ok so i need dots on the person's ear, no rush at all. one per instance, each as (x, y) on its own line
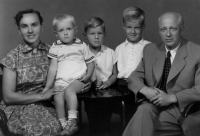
(42, 28)
(76, 29)
(124, 28)
(182, 27)
(84, 34)
(55, 33)
(143, 27)
(19, 31)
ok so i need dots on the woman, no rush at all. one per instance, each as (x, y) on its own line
(24, 74)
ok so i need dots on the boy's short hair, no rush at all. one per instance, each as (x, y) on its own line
(62, 17)
(134, 13)
(94, 22)
(20, 14)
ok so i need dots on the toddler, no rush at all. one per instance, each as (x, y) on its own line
(71, 66)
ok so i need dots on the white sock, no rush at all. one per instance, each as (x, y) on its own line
(72, 114)
(63, 122)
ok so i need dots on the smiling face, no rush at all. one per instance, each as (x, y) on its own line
(65, 31)
(30, 28)
(170, 29)
(133, 30)
(95, 36)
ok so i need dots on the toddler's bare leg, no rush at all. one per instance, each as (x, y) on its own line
(60, 105)
(70, 94)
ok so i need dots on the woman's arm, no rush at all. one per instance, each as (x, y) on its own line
(112, 78)
(10, 96)
(51, 75)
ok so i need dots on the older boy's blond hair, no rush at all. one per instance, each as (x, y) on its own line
(61, 17)
(134, 13)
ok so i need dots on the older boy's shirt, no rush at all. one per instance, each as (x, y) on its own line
(104, 61)
(128, 57)
(71, 59)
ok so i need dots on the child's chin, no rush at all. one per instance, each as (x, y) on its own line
(96, 46)
(134, 40)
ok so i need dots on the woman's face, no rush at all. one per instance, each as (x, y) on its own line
(30, 28)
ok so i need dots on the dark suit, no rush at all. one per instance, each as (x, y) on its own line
(183, 81)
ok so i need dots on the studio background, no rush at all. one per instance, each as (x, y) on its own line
(109, 10)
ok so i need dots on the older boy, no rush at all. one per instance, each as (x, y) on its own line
(129, 53)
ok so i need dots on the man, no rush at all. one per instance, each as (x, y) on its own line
(162, 96)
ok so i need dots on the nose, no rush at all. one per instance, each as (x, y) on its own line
(96, 36)
(133, 30)
(65, 32)
(30, 29)
(168, 33)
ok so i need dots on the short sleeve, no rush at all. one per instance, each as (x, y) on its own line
(53, 52)
(88, 56)
(113, 56)
(10, 61)
(117, 53)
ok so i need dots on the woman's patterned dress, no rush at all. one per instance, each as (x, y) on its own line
(37, 119)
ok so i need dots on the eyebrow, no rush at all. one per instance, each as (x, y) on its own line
(31, 23)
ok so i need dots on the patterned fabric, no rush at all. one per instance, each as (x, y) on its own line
(38, 119)
(166, 70)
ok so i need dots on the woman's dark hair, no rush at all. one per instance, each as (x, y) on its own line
(20, 14)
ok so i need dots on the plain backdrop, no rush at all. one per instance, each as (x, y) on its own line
(109, 10)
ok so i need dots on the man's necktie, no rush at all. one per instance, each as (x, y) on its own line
(165, 72)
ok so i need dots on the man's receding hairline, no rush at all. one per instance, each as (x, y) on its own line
(175, 14)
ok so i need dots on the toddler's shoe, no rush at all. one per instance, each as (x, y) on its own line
(71, 128)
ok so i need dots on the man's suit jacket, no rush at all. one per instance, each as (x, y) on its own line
(183, 79)
(184, 75)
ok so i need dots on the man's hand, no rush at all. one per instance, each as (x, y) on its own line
(163, 99)
(149, 92)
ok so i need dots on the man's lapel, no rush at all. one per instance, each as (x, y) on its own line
(179, 60)
(159, 63)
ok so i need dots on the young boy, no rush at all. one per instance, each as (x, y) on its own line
(105, 74)
(129, 53)
(71, 65)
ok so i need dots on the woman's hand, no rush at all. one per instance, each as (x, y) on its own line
(47, 95)
(44, 91)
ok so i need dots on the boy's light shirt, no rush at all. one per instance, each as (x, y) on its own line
(104, 61)
(71, 59)
(129, 56)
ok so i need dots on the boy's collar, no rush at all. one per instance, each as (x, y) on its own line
(76, 40)
(140, 42)
(103, 48)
